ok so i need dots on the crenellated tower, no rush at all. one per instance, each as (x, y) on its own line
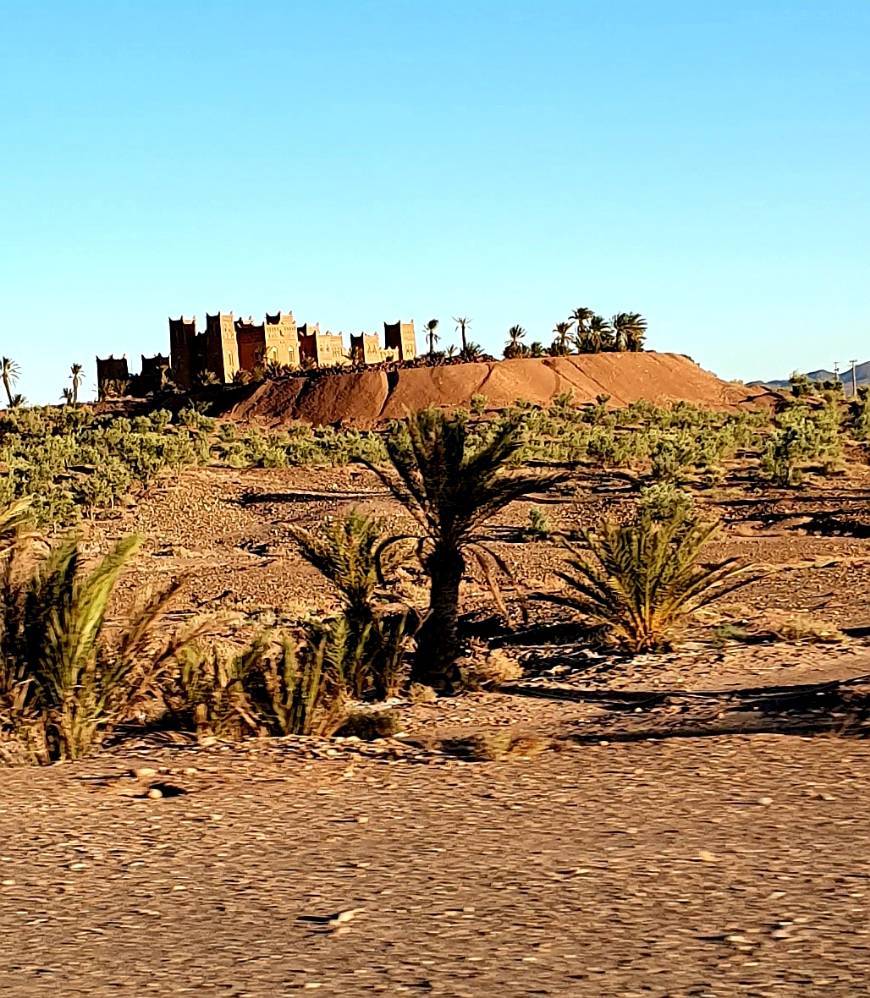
(221, 346)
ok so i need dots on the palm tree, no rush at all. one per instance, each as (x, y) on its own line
(580, 318)
(515, 347)
(462, 324)
(431, 326)
(76, 377)
(9, 374)
(536, 349)
(600, 334)
(560, 343)
(66, 396)
(630, 331)
(452, 490)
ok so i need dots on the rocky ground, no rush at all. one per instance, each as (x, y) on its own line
(554, 838)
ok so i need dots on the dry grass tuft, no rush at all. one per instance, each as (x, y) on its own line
(484, 668)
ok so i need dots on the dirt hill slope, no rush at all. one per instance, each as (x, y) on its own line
(364, 398)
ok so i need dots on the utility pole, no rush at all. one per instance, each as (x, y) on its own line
(854, 379)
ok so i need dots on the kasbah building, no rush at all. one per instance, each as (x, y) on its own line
(229, 346)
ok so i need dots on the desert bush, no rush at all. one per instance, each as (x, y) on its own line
(539, 526)
(860, 414)
(642, 580)
(484, 668)
(369, 725)
(664, 502)
(803, 435)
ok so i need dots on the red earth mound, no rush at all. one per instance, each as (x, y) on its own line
(365, 398)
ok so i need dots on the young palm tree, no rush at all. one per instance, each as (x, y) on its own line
(351, 554)
(54, 644)
(9, 374)
(345, 550)
(537, 349)
(472, 351)
(431, 326)
(76, 377)
(515, 346)
(462, 324)
(452, 490)
(560, 342)
(66, 396)
(646, 578)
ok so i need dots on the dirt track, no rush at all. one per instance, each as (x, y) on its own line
(704, 867)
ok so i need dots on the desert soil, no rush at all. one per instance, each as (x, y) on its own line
(722, 865)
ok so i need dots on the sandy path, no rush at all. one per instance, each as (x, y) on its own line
(704, 867)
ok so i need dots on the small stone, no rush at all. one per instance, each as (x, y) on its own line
(154, 794)
(362, 820)
(78, 866)
(707, 857)
(7, 883)
(765, 801)
(142, 771)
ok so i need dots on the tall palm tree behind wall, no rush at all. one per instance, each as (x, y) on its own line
(462, 324)
(560, 341)
(9, 374)
(580, 318)
(76, 376)
(431, 326)
(629, 331)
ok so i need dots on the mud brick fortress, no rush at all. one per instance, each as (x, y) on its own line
(227, 347)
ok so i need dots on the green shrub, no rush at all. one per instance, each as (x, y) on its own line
(664, 502)
(539, 526)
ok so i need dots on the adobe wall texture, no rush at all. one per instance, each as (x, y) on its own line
(228, 346)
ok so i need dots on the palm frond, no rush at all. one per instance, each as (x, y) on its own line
(644, 579)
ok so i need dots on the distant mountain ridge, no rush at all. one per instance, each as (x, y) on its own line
(862, 374)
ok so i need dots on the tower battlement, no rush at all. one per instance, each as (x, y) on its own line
(229, 347)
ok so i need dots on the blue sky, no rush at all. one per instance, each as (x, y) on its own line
(705, 164)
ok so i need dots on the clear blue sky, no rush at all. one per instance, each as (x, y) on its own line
(704, 163)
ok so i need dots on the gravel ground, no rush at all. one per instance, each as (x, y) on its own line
(717, 866)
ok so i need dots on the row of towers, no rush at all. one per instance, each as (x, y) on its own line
(229, 345)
